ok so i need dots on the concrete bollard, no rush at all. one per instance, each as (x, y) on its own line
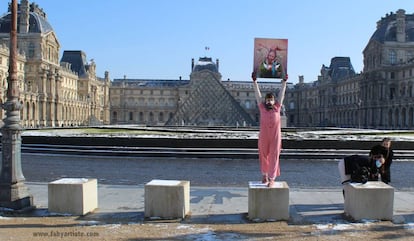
(266, 203)
(167, 199)
(372, 200)
(77, 196)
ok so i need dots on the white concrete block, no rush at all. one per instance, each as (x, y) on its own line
(372, 200)
(268, 203)
(77, 196)
(167, 199)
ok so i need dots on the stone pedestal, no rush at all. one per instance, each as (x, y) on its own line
(268, 203)
(77, 196)
(167, 199)
(372, 200)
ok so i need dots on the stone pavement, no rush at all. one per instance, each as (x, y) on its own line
(226, 205)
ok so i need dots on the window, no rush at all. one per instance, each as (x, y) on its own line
(31, 52)
(392, 93)
(247, 103)
(409, 56)
(292, 105)
(392, 57)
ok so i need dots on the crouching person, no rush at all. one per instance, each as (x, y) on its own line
(355, 168)
(359, 168)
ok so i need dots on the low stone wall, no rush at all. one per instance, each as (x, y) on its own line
(205, 143)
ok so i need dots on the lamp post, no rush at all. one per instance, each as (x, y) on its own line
(13, 193)
(359, 113)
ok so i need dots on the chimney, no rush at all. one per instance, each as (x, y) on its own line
(401, 36)
(192, 64)
(24, 16)
(301, 79)
(217, 64)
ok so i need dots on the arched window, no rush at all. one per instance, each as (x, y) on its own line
(28, 111)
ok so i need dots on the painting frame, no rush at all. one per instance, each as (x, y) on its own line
(270, 57)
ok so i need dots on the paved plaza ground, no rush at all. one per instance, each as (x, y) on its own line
(70, 228)
(218, 200)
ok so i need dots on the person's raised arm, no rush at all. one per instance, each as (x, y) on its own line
(281, 95)
(256, 88)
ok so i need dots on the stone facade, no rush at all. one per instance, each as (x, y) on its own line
(144, 102)
(52, 92)
(203, 100)
(4, 68)
(381, 96)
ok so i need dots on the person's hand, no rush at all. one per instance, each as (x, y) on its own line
(254, 76)
(286, 78)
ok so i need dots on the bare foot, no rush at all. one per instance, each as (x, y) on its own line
(271, 183)
(265, 180)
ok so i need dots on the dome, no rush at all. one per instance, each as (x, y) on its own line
(37, 22)
(205, 63)
(388, 25)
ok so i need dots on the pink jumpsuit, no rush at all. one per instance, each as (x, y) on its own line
(270, 140)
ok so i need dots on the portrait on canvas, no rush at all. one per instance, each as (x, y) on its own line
(270, 58)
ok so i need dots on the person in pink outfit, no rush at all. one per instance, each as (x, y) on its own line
(270, 135)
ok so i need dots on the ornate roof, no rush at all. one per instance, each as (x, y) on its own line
(388, 25)
(77, 59)
(205, 63)
(37, 22)
(340, 68)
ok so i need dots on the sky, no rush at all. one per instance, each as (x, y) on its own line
(156, 39)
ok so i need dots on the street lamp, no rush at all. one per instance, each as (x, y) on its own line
(13, 193)
(359, 113)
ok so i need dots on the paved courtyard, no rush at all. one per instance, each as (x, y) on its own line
(218, 201)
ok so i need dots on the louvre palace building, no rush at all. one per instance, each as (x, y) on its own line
(60, 91)
(380, 97)
(54, 91)
(202, 100)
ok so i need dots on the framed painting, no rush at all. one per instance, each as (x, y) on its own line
(270, 58)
